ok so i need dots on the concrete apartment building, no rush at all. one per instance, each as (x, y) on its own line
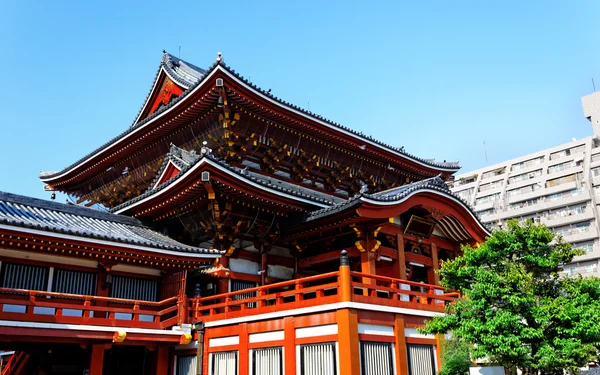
(558, 187)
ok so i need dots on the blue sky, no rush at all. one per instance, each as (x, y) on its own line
(438, 77)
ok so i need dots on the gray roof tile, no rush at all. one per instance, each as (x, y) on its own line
(21, 211)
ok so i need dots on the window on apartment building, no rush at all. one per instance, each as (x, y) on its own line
(567, 152)
(421, 359)
(566, 211)
(527, 163)
(376, 358)
(587, 246)
(524, 176)
(523, 204)
(224, 363)
(572, 229)
(561, 167)
(24, 276)
(186, 365)
(523, 190)
(487, 198)
(489, 211)
(534, 218)
(318, 359)
(495, 172)
(490, 186)
(267, 361)
(591, 268)
(596, 172)
(563, 180)
(465, 180)
(563, 194)
(465, 194)
(595, 157)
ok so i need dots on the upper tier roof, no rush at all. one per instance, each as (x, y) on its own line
(26, 212)
(191, 78)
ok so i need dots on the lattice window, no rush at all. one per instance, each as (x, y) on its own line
(224, 363)
(24, 276)
(421, 359)
(318, 359)
(267, 361)
(376, 358)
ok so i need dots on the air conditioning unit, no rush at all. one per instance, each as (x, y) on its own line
(219, 82)
(205, 177)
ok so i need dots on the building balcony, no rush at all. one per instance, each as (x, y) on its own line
(556, 221)
(309, 293)
(575, 236)
(48, 307)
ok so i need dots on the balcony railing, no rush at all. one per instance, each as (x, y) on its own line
(50, 307)
(324, 289)
(321, 290)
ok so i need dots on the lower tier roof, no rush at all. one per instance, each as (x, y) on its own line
(26, 212)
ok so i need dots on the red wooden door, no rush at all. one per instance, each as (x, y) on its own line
(173, 285)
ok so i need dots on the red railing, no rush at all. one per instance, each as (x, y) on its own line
(15, 363)
(49, 307)
(294, 294)
(388, 291)
(327, 288)
(321, 290)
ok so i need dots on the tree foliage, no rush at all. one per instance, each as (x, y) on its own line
(456, 358)
(515, 309)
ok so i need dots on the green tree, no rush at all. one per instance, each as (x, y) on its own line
(515, 309)
(456, 357)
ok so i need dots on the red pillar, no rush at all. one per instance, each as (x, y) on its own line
(223, 283)
(289, 345)
(97, 359)
(162, 360)
(347, 320)
(264, 266)
(436, 264)
(401, 258)
(400, 347)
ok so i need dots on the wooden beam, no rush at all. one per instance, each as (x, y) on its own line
(436, 264)
(401, 257)
(326, 257)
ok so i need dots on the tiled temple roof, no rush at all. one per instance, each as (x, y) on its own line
(191, 76)
(269, 182)
(390, 195)
(179, 157)
(26, 212)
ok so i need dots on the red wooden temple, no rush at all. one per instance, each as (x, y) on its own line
(225, 232)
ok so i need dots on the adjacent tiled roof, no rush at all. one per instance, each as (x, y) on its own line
(178, 156)
(26, 212)
(270, 182)
(186, 73)
(394, 194)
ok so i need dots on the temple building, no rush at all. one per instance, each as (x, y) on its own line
(225, 232)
